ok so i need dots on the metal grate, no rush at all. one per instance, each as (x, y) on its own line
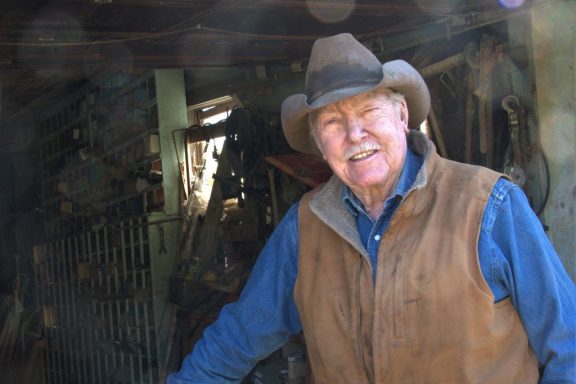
(96, 290)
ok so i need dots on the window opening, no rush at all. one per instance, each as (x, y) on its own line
(202, 156)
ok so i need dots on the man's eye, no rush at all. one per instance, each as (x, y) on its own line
(329, 122)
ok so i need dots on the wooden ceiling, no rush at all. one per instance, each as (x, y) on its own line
(47, 46)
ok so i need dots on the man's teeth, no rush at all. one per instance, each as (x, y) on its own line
(362, 151)
(362, 155)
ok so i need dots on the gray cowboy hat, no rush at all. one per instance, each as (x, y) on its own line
(341, 67)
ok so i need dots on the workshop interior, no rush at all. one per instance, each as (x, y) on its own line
(144, 166)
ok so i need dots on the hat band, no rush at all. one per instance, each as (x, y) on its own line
(341, 85)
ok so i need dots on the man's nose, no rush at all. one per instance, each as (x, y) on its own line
(355, 129)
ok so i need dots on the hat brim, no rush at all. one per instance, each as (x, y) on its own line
(397, 75)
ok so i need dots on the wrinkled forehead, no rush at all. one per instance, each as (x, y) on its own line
(381, 95)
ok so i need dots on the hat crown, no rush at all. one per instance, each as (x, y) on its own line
(338, 62)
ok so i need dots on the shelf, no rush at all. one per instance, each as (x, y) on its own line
(59, 196)
(309, 169)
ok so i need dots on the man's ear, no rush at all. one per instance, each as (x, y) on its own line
(404, 115)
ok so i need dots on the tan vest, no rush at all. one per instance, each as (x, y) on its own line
(431, 317)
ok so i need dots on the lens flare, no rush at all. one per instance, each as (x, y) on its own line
(511, 3)
(44, 43)
(116, 57)
(330, 11)
(17, 132)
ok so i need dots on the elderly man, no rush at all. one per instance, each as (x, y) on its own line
(404, 267)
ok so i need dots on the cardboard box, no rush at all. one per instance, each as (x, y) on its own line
(66, 207)
(151, 145)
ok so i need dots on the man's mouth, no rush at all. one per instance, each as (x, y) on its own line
(361, 155)
(361, 151)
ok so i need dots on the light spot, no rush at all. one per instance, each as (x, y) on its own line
(330, 11)
(44, 43)
(511, 3)
(115, 57)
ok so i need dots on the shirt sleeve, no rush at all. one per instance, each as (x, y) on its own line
(261, 321)
(526, 266)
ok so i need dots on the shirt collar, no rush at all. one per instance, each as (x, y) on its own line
(410, 169)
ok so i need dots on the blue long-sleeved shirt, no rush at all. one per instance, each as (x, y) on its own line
(516, 258)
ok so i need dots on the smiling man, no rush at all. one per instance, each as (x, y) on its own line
(363, 139)
(404, 267)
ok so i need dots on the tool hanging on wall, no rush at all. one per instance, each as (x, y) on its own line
(487, 62)
(515, 166)
(472, 57)
(525, 160)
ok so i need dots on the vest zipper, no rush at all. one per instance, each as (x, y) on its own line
(359, 332)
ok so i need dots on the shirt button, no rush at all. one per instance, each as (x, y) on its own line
(377, 237)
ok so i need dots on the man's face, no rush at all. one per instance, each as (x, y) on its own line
(363, 139)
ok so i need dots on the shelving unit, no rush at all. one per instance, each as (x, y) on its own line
(111, 192)
(92, 148)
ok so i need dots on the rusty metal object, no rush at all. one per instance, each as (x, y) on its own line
(484, 94)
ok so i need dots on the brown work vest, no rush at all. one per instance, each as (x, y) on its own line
(430, 316)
